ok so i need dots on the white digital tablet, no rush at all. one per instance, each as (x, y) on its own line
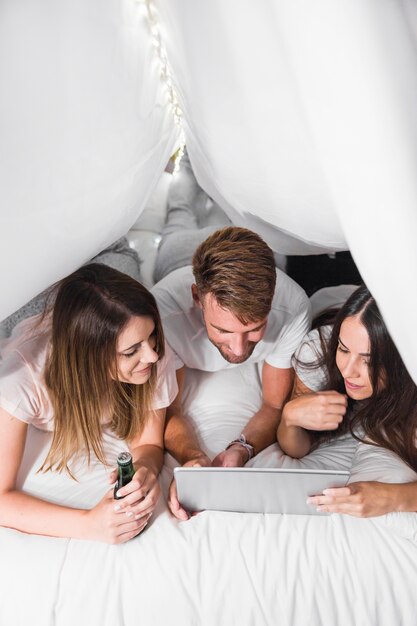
(253, 490)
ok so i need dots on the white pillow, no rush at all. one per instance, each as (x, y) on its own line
(221, 403)
(374, 463)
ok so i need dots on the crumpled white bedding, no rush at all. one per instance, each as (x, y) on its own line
(217, 568)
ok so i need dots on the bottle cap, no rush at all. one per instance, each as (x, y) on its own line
(124, 458)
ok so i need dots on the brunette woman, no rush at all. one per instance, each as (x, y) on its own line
(351, 378)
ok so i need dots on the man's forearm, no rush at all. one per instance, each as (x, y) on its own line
(181, 440)
(261, 429)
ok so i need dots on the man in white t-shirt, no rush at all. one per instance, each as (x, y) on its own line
(231, 307)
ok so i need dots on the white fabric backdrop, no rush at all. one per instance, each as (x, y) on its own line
(303, 115)
(300, 120)
(85, 134)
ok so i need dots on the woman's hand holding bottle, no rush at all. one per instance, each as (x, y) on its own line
(124, 511)
(111, 523)
(139, 497)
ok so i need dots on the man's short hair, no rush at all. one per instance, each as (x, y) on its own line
(237, 267)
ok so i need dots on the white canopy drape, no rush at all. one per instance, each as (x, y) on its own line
(85, 132)
(300, 120)
(303, 115)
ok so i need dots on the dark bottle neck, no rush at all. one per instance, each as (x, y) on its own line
(124, 476)
(126, 473)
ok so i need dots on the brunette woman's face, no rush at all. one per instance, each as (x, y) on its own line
(352, 358)
(136, 350)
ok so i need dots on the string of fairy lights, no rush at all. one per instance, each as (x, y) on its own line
(166, 78)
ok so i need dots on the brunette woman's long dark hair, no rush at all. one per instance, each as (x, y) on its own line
(388, 418)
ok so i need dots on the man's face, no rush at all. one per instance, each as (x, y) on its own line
(234, 340)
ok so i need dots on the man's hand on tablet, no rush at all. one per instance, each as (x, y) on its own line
(235, 456)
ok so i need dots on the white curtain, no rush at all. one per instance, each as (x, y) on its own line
(303, 115)
(300, 120)
(85, 132)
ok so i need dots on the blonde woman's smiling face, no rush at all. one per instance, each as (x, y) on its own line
(135, 349)
(352, 358)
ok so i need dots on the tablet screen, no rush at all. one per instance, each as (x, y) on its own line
(253, 490)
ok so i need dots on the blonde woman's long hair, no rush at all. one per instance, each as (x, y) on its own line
(91, 308)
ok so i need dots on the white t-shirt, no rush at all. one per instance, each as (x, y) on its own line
(184, 328)
(308, 353)
(23, 392)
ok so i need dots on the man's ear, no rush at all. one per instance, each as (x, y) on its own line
(195, 295)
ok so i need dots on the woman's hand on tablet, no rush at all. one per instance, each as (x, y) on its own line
(173, 503)
(323, 410)
(361, 499)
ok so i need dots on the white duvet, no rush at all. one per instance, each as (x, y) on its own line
(217, 568)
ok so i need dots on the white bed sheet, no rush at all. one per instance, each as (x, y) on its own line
(217, 568)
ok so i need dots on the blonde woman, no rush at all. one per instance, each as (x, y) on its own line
(97, 361)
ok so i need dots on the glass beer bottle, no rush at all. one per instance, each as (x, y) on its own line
(125, 472)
